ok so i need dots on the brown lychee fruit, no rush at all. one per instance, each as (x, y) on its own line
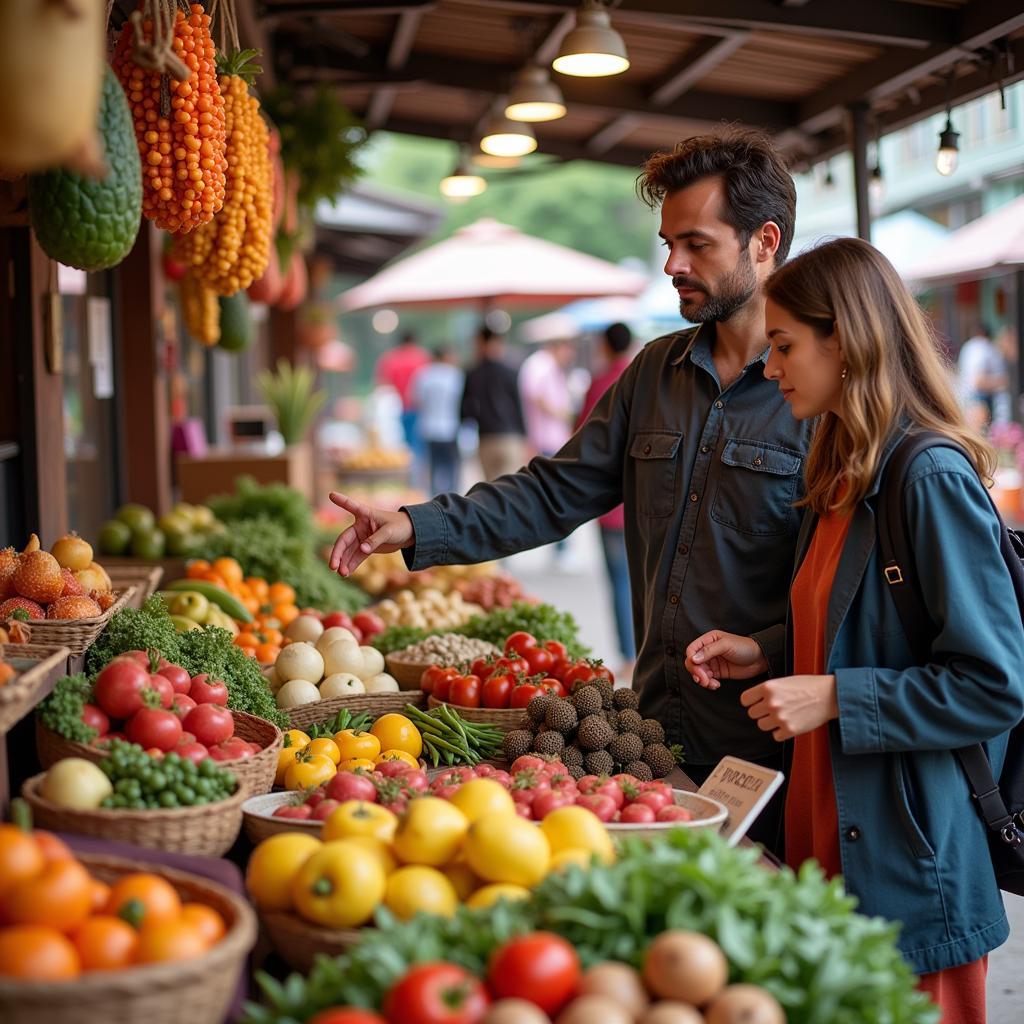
(14, 604)
(38, 577)
(73, 608)
(72, 588)
(8, 566)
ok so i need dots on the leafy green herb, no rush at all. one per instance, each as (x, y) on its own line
(62, 710)
(130, 630)
(283, 505)
(795, 934)
(542, 620)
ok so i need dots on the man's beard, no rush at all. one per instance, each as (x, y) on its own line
(733, 292)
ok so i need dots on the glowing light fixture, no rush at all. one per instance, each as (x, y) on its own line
(593, 49)
(535, 97)
(505, 137)
(481, 159)
(948, 155)
(462, 183)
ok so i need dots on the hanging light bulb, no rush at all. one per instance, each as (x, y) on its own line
(462, 183)
(535, 97)
(830, 180)
(948, 155)
(593, 48)
(876, 183)
(505, 137)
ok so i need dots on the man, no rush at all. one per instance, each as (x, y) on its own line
(436, 396)
(491, 400)
(615, 355)
(983, 376)
(692, 438)
(397, 369)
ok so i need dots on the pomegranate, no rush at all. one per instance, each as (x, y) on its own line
(14, 604)
(38, 577)
(72, 552)
(75, 607)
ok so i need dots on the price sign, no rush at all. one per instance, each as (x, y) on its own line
(744, 788)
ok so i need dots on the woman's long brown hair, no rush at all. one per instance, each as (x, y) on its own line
(848, 288)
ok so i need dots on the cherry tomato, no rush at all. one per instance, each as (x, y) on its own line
(465, 691)
(522, 694)
(497, 690)
(513, 664)
(581, 672)
(520, 642)
(436, 993)
(483, 667)
(542, 968)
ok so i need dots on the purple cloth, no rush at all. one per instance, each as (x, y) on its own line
(216, 870)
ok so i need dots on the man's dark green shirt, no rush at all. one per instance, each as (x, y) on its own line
(708, 478)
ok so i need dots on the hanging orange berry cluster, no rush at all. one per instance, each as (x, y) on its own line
(179, 122)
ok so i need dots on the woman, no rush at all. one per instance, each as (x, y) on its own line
(875, 793)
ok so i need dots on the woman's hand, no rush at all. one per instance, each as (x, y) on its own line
(374, 529)
(716, 656)
(792, 706)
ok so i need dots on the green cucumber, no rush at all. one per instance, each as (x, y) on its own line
(217, 595)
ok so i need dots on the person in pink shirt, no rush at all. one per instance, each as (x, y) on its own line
(616, 355)
(397, 368)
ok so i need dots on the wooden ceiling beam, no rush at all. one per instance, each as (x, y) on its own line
(979, 24)
(883, 22)
(398, 53)
(274, 9)
(547, 51)
(696, 64)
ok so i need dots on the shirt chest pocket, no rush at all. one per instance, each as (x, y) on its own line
(757, 485)
(654, 457)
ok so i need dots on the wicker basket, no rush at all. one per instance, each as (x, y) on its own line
(77, 635)
(208, 830)
(255, 774)
(376, 703)
(407, 673)
(505, 719)
(198, 991)
(144, 578)
(38, 669)
(297, 942)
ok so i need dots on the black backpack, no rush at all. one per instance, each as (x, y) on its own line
(1001, 805)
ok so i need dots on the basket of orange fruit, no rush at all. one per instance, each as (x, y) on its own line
(103, 940)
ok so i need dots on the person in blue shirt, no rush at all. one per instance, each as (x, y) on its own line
(436, 393)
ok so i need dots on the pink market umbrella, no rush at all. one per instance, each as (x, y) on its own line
(492, 263)
(994, 243)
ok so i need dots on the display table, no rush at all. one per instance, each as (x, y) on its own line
(215, 472)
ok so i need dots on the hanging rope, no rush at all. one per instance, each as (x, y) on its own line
(157, 54)
(224, 14)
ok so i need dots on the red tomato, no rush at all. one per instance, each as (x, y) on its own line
(497, 690)
(210, 723)
(368, 623)
(465, 691)
(539, 660)
(559, 655)
(161, 685)
(541, 968)
(522, 694)
(603, 806)
(637, 813)
(195, 752)
(342, 619)
(526, 763)
(119, 687)
(483, 667)
(94, 717)
(520, 643)
(551, 685)
(433, 674)
(175, 675)
(231, 750)
(326, 808)
(142, 657)
(551, 800)
(300, 811)
(654, 799)
(150, 727)
(345, 1015)
(436, 993)
(442, 689)
(182, 704)
(602, 786)
(351, 786)
(512, 663)
(581, 672)
(604, 672)
(674, 813)
(206, 691)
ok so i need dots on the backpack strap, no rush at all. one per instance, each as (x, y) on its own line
(897, 552)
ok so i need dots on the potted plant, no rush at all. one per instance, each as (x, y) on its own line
(289, 391)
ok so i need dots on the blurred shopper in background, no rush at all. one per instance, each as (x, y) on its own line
(397, 369)
(491, 400)
(615, 355)
(547, 407)
(983, 376)
(436, 396)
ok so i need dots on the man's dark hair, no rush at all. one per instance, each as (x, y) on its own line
(442, 352)
(408, 338)
(485, 334)
(758, 188)
(982, 328)
(618, 336)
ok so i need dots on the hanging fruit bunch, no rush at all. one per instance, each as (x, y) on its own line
(200, 309)
(232, 250)
(166, 62)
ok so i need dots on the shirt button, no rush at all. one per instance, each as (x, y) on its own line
(693, 497)
(647, 449)
(674, 599)
(719, 404)
(757, 462)
(852, 834)
(670, 651)
(705, 449)
(683, 549)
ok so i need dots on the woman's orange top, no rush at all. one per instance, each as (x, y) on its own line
(812, 823)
